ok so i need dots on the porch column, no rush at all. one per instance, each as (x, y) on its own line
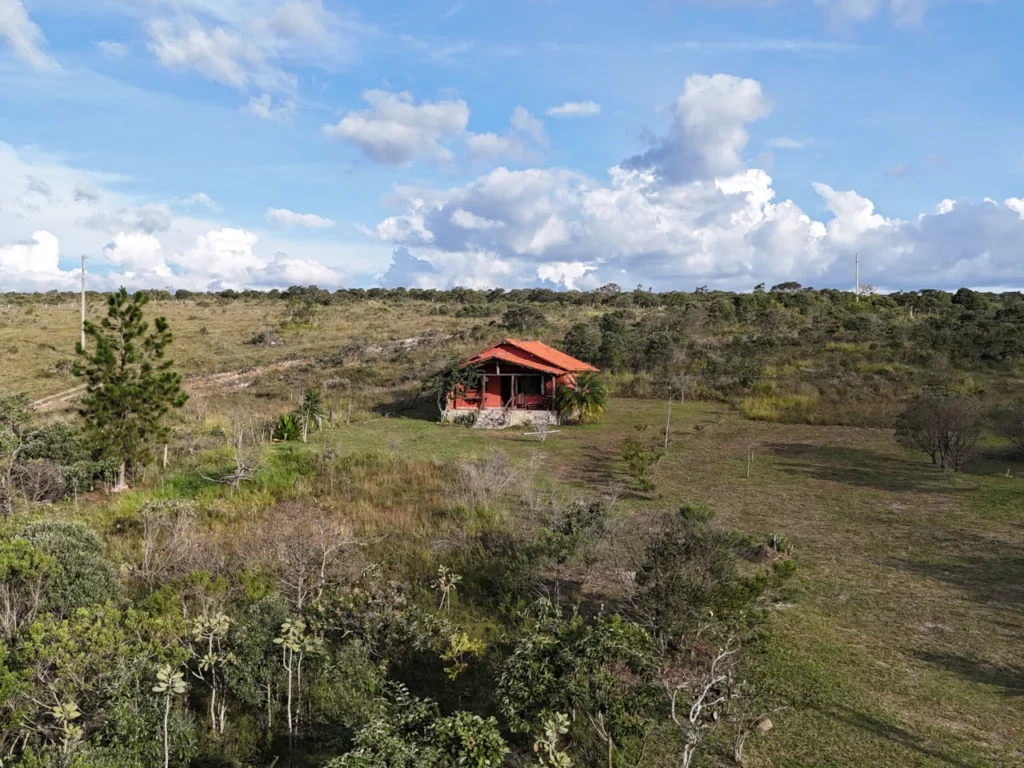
(483, 391)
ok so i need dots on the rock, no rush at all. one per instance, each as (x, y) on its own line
(765, 724)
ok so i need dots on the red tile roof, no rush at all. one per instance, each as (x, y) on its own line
(531, 354)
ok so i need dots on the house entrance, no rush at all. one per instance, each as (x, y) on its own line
(506, 390)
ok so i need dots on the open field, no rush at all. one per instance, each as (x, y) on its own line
(900, 641)
(903, 638)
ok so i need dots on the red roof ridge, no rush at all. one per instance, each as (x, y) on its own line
(546, 353)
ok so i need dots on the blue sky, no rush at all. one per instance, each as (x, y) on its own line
(228, 143)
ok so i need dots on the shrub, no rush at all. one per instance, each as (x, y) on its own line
(84, 577)
(522, 317)
(1010, 424)
(944, 425)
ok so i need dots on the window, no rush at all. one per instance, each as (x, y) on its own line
(530, 385)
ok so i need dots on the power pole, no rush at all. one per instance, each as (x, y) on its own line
(83, 300)
(856, 262)
(668, 421)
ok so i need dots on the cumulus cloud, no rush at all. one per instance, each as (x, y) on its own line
(138, 257)
(282, 217)
(265, 108)
(708, 129)
(574, 109)
(23, 36)
(135, 243)
(34, 265)
(689, 213)
(395, 130)
(523, 128)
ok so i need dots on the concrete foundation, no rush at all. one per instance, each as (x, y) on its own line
(500, 418)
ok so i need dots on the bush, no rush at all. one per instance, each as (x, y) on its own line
(944, 425)
(84, 577)
(1010, 424)
(522, 317)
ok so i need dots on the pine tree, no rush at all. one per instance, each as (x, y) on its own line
(129, 385)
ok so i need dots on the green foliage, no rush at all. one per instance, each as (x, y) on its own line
(287, 429)
(690, 574)
(130, 387)
(83, 577)
(101, 661)
(584, 400)
(453, 377)
(1010, 424)
(549, 753)
(57, 442)
(641, 455)
(409, 732)
(523, 317)
(583, 341)
(601, 666)
(14, 414)
(311, 411)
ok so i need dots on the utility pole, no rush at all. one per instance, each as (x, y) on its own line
(856, 263)
(84, 257)
(668, 421)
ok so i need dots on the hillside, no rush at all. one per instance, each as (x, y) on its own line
(877, 599)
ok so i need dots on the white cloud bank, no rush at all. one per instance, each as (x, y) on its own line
(50, 211)
(688, 212)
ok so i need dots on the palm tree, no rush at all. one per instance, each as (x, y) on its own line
(584, 400)
(311, 410)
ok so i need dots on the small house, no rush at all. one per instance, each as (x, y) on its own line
(518, 384)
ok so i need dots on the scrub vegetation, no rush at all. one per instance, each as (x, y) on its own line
(814, 558)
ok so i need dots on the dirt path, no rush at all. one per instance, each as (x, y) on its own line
(196, 385)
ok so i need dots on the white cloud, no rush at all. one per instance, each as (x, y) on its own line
(201, 199)
(86, 192)
(708, 129)
(574, 109)
(709, 220)
(264, 108)
(529, 125)
(565, 273)
(251, 43)
(467, 220)
(1014, 204)
(34, 265)
(396, 131)
(218, 54)
(138, 243)
(146, 218)
(514, 144)
(139, 259)
(858, 11)
(784, 142)
(23, 36)
(282, 217)
(489, 146)
(112, 49)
